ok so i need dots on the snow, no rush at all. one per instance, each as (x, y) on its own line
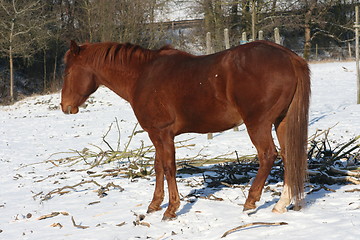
(179, 10)
(34, 129)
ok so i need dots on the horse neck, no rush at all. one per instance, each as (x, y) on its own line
(119, 81)
(121, 78)
(118, 66)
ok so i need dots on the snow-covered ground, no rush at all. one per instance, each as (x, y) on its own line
(34, 129)
(179, 10)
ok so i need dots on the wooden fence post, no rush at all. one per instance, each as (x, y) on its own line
(243, 38)
(209, 50)
(349, 48)
(261, 35)
(357, 26)
(226, 38)
(208, 43)
(277, 35)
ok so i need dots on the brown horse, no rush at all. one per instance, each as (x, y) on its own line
(171, 92)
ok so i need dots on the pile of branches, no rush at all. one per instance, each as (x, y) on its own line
(130, 163)
(329, 162)
(125, 162)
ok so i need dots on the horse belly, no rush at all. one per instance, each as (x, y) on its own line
(211, 120)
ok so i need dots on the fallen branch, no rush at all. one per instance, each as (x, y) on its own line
(76, 225)
(212, 197)
(139, 220)
(324, 178)
(321, 187)
(345, 172)
(232, 185)
(353, 190)
(347, 179)
(320, 132)
(60, 190)
(56, 225)
(253, 224)
(53, 214)
(338, 155)
(101, 191)
(120, 224)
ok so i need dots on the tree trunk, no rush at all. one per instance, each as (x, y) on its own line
(253, 20)
(208, 15)
(235, 21)
(307, 28)
(218, 19)
(55, 60)
(11, 66)
(307, 36)
(45, 86)
(273, 7)
(245, 16)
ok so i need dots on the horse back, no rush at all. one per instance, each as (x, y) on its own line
(215, 92)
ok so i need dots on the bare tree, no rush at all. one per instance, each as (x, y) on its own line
(215, 20)
(114, 20)
(21, 22)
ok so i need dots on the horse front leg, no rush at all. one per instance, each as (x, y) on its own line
(158, 196)
(170, 173)
(165, 165)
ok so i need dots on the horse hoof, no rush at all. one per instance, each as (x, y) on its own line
(245, 209)
(279, 210)
(297, 208)
(151, 210)
(249, 207)
(169, 218)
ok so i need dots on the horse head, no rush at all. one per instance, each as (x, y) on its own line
(79, 80)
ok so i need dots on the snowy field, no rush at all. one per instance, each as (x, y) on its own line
(34, 129)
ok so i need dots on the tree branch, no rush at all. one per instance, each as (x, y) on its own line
(26, 8)
(3, 6)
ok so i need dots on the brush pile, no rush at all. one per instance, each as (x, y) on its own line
(329, 162)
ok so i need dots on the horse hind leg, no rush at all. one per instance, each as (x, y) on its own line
(285, 198)
(284, 201)
(262, 139)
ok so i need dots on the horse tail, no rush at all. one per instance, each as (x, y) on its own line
(297, 132)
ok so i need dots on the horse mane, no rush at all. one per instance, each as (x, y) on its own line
(112, 53)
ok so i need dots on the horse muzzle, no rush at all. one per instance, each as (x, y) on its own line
(69, 109)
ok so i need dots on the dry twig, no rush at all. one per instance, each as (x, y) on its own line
(121, 224)
(60, 190)
(53, 214)
(101, 191)
(56, 225)
(139, 220)
(253, 224)
(76, 225)
(353, 190)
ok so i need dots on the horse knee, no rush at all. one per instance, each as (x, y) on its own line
(169, 171)
(268, 158)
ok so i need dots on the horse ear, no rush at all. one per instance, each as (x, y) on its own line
(74, 48)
